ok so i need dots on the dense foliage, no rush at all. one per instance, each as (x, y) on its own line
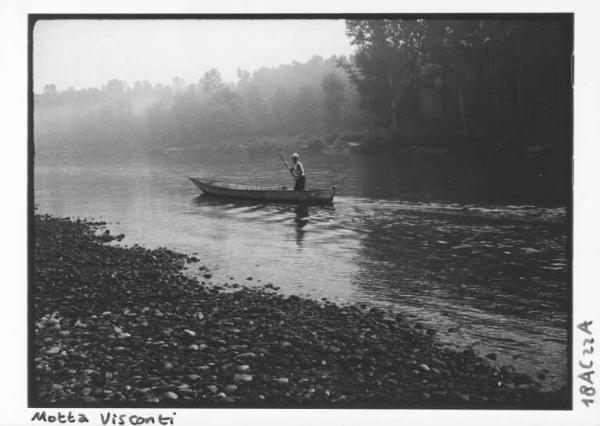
(505, 81)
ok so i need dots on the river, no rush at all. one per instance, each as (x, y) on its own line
(494, 276)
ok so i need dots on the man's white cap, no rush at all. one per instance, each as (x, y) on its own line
(295, 155)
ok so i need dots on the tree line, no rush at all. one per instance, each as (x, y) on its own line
(270, 104)
(461, 84)
(496, 81)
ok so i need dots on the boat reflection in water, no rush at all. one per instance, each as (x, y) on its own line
(302, 218)
(265, 212)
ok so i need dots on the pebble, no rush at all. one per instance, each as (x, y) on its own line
(247, 355)
(424, 367)
(171, 395)
(213, 388)
(524, 387)
(282, 381)
(230, 389)
(333, 349)
(238, 378)
(53, 351)
(243, 368)
(189, 333)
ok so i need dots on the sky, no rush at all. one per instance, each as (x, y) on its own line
(88, 53)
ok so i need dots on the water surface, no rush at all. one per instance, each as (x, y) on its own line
(494, 276)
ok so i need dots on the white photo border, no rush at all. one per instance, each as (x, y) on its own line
(586, 227)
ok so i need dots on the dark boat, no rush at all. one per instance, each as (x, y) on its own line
(264, 193)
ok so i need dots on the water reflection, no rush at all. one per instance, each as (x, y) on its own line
(260, 212)
(480, 282)
(301, 221)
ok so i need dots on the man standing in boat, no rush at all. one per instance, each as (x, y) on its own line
(298, 172)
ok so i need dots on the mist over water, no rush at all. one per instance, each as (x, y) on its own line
(484, 272)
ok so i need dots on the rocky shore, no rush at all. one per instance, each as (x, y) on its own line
(125, 326)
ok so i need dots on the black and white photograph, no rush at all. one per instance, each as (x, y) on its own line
(339, 211)
(361, 212)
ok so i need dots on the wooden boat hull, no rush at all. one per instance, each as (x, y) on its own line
(263, 193)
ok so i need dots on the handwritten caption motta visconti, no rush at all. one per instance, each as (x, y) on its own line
(106, 418)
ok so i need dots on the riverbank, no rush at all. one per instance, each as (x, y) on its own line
(124, 326)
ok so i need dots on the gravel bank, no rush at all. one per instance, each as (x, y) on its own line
(124, 326)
